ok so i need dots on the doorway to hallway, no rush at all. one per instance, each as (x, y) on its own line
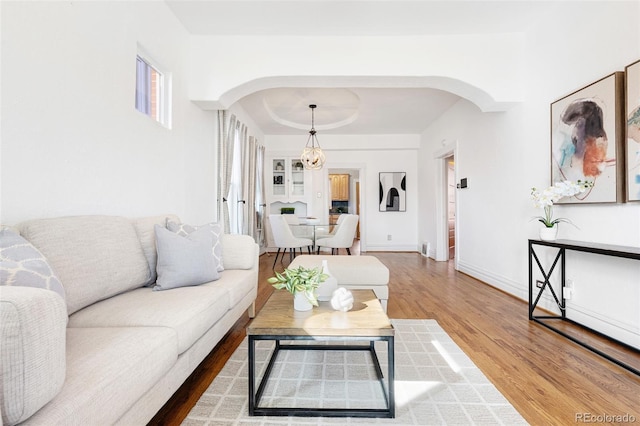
(345, 184)
(451, 206)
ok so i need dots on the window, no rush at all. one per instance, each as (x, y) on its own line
(152, 91)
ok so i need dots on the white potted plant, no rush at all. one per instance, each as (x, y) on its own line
(545, 199)
(302, 283)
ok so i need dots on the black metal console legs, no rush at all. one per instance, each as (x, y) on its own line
(546, 320)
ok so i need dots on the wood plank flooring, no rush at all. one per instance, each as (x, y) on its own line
(548, 379)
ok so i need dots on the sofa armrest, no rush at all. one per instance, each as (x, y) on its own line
(239, 252)
(33, 324)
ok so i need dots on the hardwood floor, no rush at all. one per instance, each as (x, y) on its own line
(548, 379)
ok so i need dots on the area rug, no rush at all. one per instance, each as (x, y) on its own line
(436, 383)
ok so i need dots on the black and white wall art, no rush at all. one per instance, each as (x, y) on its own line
(393, 194)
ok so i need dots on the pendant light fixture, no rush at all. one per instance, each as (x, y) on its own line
(312, 156)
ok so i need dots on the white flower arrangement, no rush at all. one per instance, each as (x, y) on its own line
(555, 193)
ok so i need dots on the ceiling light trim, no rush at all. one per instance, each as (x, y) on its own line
(303, 126)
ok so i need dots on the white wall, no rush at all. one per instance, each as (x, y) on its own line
(492, 63)
(372, 154)
(505, 154)
(72, 141)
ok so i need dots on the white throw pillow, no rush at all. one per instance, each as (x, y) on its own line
(184, 260)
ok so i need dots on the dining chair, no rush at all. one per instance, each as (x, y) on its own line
(321, 233)
(284, 238)
(298, 229)
(343, 237)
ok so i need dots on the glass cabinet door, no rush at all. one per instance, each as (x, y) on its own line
(279, 185)
(287, 179)
(297, 178)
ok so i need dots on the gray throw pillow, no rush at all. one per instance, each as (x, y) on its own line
(184, 261)
(21, 264)
(215, 228)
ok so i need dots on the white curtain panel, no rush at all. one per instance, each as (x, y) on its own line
(220, 138)
(250, 188)
(227, 134)
(260, 197)
(241, 196)
(235, 200)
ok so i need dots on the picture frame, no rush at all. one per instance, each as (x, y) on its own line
(393, 192)
(587, 140)
(632, 130)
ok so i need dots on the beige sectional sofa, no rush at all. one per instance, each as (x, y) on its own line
(111, 350)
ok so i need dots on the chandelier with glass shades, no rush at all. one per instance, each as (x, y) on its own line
(312, 156)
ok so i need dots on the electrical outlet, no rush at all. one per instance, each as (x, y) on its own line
(539, 283)
(389, 237)
(567, 293)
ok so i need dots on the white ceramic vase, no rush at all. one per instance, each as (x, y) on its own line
(548, 234)
(328, 286)
(301, 303)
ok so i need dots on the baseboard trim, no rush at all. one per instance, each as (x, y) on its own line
(617, 329)
(400, 247)
(503, 283)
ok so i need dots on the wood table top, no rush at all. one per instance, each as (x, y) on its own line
(278, 318)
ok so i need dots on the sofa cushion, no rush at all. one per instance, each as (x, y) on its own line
(95, 257)
(215, 229)
(108, 370)
(184, 260)
(239, 251)
(146, 235)
(189, 311)
(33, 324)
(22, 264)
(237, 283)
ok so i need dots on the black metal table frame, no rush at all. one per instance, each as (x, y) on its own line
(256, 394)
(562, 246)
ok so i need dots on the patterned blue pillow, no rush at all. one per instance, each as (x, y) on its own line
(21, 264)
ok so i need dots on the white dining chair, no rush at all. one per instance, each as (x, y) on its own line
(324, 233)
(344, 236)
(298, 229)
(284, 238)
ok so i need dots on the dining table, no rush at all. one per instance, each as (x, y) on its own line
(311, 230)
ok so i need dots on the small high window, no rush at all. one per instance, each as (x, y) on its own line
(152, 91)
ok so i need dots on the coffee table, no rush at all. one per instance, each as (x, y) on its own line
(278, 321)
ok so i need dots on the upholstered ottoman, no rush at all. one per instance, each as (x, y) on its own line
(353, 272)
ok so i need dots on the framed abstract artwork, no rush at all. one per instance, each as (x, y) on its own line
(632, 125)
(587, 140)
(393, 193)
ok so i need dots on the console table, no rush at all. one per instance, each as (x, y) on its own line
(579, 246)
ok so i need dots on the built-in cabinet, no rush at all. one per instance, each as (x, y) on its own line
(339, 187)
(288, 182)
(288, 187)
